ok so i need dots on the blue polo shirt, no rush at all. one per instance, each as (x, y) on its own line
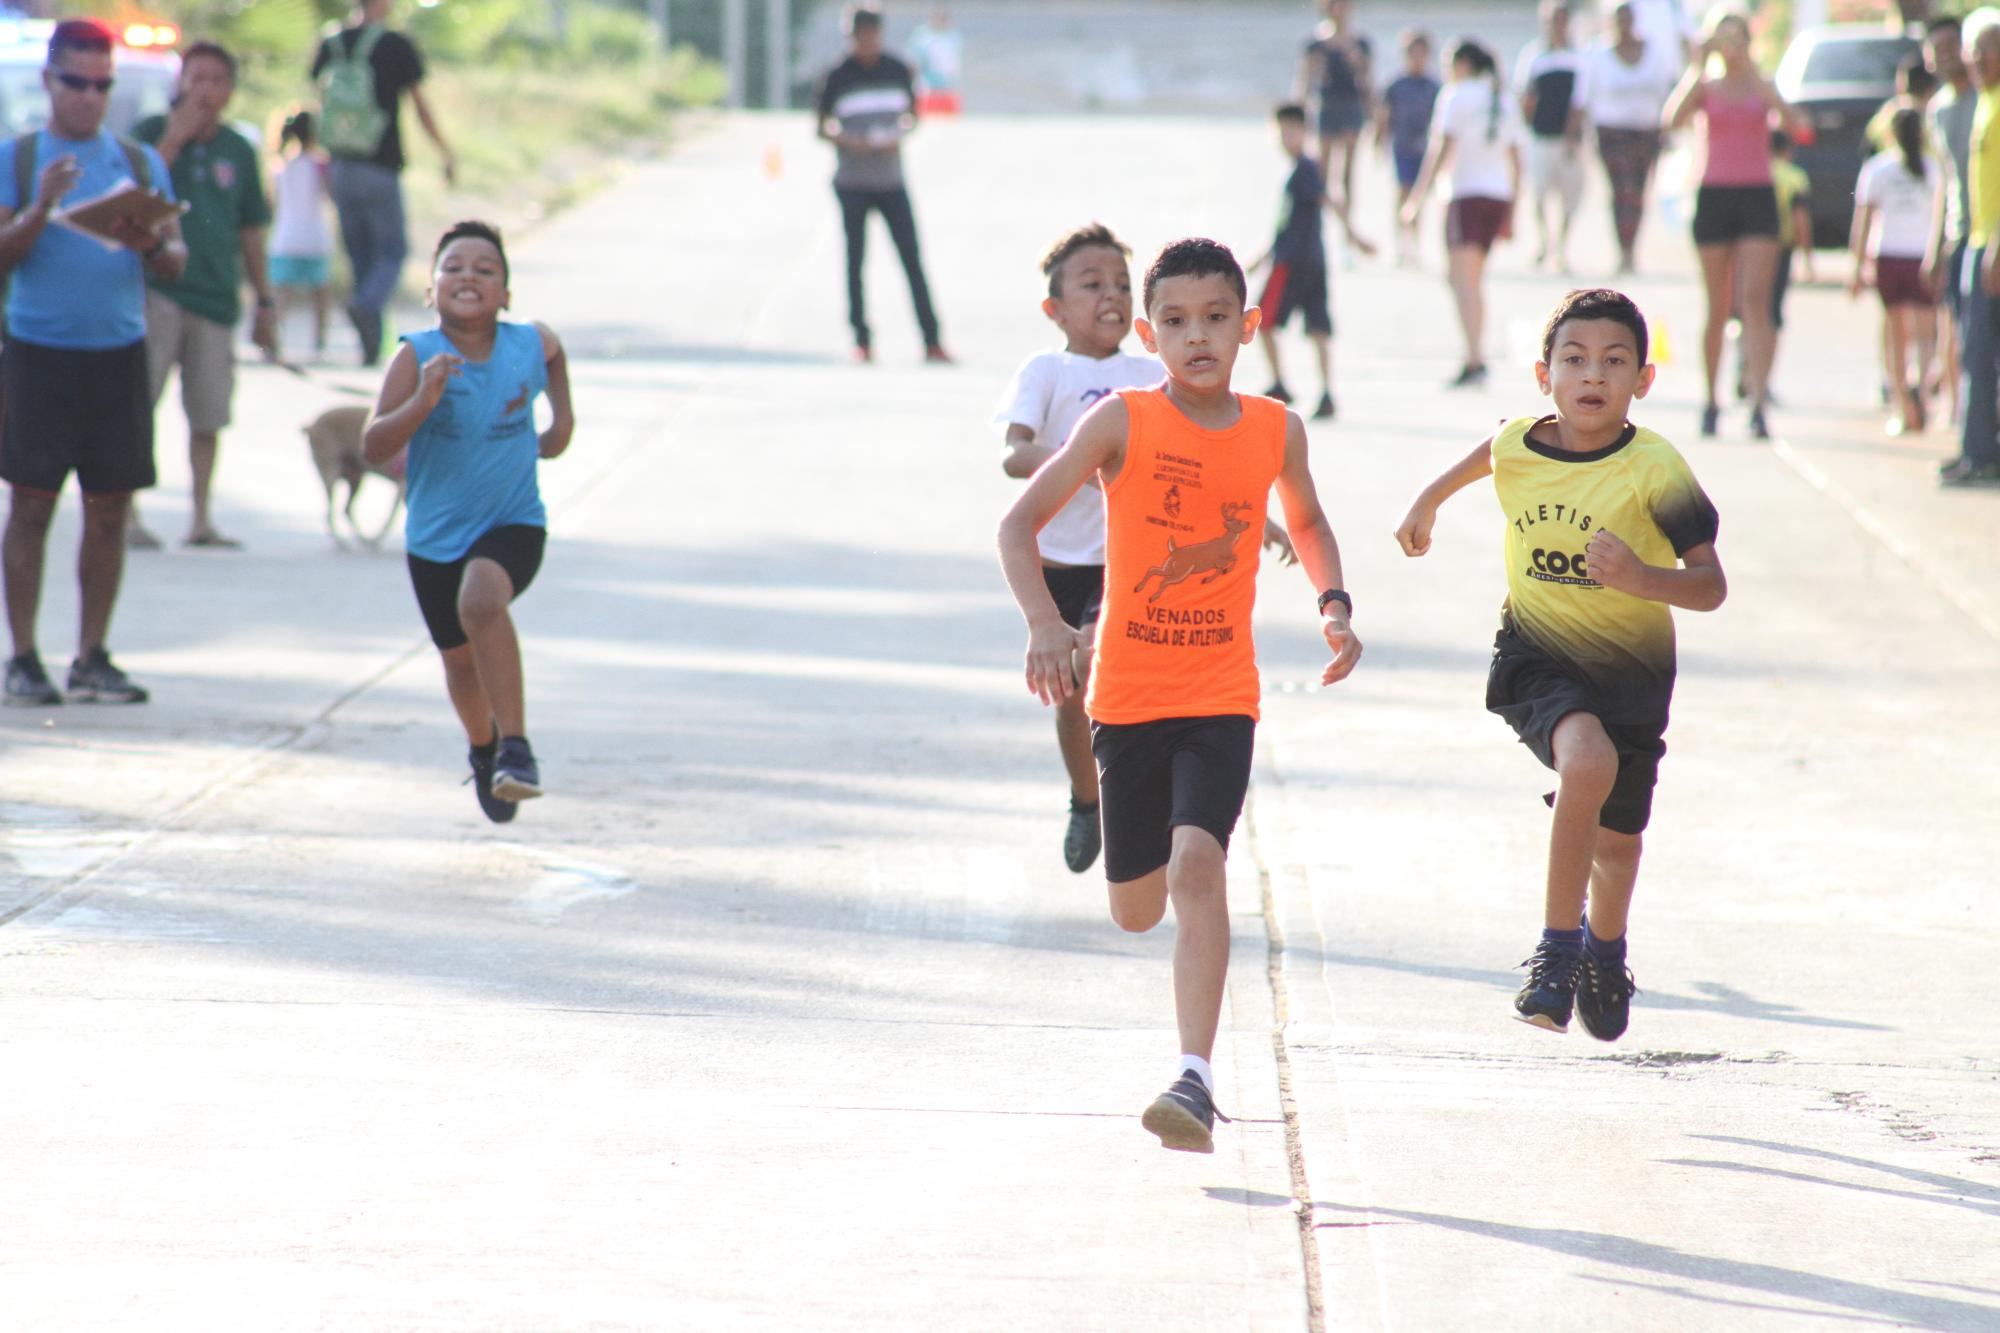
(70, 291)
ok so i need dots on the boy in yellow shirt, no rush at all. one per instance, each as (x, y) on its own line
(1606, 529)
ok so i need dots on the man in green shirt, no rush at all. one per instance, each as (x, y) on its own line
(191, 321)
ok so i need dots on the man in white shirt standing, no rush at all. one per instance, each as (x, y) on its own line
(1548, 78)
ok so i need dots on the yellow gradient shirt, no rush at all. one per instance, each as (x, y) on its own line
(1640, 490)
(1982, 167)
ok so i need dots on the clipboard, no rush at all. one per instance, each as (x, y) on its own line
(94, 217)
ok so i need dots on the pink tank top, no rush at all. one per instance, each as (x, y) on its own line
(1739, 139)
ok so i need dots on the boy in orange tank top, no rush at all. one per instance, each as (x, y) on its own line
(1187, 470)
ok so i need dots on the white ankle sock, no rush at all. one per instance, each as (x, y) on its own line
(1200, 1069)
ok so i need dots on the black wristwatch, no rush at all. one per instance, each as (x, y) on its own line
(1335, 595)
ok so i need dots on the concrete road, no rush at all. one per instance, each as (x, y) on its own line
(781, 1011)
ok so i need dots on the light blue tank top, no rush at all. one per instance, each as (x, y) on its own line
(472, 462)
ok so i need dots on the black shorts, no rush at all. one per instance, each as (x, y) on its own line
(1156, 776)
(1297, 289)
(516, 548)
(69, 410)
(1532, 692)
(1725, 213)
(1078, 590)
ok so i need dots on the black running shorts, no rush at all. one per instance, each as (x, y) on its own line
(1156, 776)
(1726, 213)
(516, 548)
(1297, 289)
(1532, 692)
(1078, 591)
(70, 410)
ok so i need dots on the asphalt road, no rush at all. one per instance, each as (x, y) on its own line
(781, 1011)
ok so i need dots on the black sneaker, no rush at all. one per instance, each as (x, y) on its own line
(1711, 416)
(1279, 392)
(1085, 838)
(515, 776)
(1184, 1116)
(1604, 994)
(1550, 992)
(1325, 410)
(28, 686)
(1967, 472)
(1759, 428)
(1467, 377)
(94, 680)
(481, 757)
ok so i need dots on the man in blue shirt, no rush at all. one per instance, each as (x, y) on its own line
(73, 371)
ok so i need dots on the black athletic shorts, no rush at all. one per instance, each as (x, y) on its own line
(1725, 213)
(1532, 692)
(516, 548)
(1156, 776)
(1078, 590)
(69, 410)
(1297, 289)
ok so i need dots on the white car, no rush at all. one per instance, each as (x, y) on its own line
(146, 73)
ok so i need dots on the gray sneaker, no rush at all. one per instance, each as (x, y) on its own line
(94, 680)
(28, 686)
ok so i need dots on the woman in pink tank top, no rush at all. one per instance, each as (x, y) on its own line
(1736, 210)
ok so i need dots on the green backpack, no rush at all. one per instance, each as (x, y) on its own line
(351, 119)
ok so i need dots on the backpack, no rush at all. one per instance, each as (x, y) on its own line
(351, 119)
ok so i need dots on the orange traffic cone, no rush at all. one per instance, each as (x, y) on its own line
(1663, 346)
(774, 161)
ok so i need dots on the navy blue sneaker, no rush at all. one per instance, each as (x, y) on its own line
(95, 680)
(1550, 993)
(481, 758)
(1604, 994)
(28, 686)
(1184, 1116)
(1085, 838)
(515, 776)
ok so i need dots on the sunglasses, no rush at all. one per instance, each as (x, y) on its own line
(76, 83)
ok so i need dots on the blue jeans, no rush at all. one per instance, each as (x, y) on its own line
(369, 199)
(1980, 442)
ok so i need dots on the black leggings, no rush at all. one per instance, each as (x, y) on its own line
(894, 206)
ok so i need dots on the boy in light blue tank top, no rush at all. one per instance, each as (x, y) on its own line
(461, 398)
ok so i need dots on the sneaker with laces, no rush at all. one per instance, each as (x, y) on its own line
(1550, 993)
(482, 758)
(1084, 838)
(1183, 1117)
(94, 680)
(515, 775)
(1604, 994)
(28, 686)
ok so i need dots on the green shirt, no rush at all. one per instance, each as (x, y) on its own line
(1983, 168)
(223, 186)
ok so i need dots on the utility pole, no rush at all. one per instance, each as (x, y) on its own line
(777, 54)
(736, 50)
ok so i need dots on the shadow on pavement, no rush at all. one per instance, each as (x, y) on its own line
(1931, 1312)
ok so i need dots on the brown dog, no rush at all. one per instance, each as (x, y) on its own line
(335, 439)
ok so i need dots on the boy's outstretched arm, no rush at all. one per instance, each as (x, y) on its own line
(562, 420)
(1096, 446)
(1698, 585)
(409, 394)
(1312, 537)
(1413, 534)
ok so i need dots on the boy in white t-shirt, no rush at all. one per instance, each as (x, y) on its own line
(1090, 300)
(1894, 202)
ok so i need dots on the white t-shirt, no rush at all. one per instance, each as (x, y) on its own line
(299, 229)
(1619, 96)
(1556, 76)
(1479, 163)
(1903, 229)
(1048, 394)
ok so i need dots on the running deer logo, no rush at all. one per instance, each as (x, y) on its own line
(1171, 503)
(515, 404)
(1215, 557)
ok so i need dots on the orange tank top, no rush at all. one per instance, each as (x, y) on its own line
(1184, 523)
